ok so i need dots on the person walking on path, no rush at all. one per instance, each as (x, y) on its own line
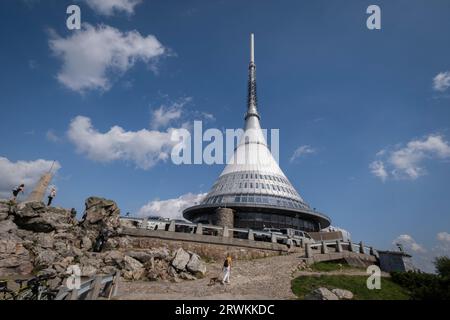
(51, 196)
(18, 190)
(227, 269)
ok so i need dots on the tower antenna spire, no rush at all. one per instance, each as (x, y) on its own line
(252, 100)
(252, 48)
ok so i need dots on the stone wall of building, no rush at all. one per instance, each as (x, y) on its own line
(207, 251)
(209, 247)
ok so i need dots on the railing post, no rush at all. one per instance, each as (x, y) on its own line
(309, 253)
(172, 226)
(199, 229)
(74, 294)
(338, 246)
(114, 285)
(225, 232)
(274, 238)
(250, 235)
(350, 246)
(324, 248)
(361, 247)
(95, 290)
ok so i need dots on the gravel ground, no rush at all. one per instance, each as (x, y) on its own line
(265, 278)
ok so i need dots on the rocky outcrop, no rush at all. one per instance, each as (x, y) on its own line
(36, 239)
(321, 294)
(326, 294)
(343, 294)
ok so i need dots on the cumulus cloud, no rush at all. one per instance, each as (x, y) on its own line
(378, 170)
(423, 258)
(171, 208)
(162, 116)
(109, 7)
(441, 82)
(443, 236)
(407, 162)
(301, 152)
(93, 55)
(27, 172)
(144, 148)
(408, 243)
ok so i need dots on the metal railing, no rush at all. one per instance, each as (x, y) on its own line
(92, 288)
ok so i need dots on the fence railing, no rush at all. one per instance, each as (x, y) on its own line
(338, 246)
(205, 229)
(92, 288)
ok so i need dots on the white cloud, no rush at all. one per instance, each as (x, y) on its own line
(378, 170)
(441, 82)
(91, 56)
(301, 152)
(171, 208)
(443, 236)
(407, 162)
(162, 116)
(421, 257)
(27, 172)
(144, 148)
(409, 244)
(109, 7)
(51, 136)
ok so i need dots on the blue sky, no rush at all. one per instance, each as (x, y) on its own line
(369, 111)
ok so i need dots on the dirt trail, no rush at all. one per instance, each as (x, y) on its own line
(267, 278)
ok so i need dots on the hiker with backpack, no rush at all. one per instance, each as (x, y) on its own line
(227, 269)
(16, 191)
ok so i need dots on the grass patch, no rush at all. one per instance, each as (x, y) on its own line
(327, 266)
(356, 284)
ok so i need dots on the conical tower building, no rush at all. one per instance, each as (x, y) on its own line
(252, 191)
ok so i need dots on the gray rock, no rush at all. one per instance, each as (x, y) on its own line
(7, 226)
(86, 243)
(113, 258)
(43, 257)
(102, 213)
(132, 269)
(187, 276)
(181, 259)
(196, 265)
(343, 294)
(321, 294)
(141, 256)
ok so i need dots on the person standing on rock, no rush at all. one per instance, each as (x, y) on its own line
(51, 196)
(227, 269)
(18, 190)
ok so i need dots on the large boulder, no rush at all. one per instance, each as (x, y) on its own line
(5, 209)
(15, 259)
(343, 294)
(196, 265)
(102, 213)
(321, 294)
(181, 259)
(132, 269)
(37, 217)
